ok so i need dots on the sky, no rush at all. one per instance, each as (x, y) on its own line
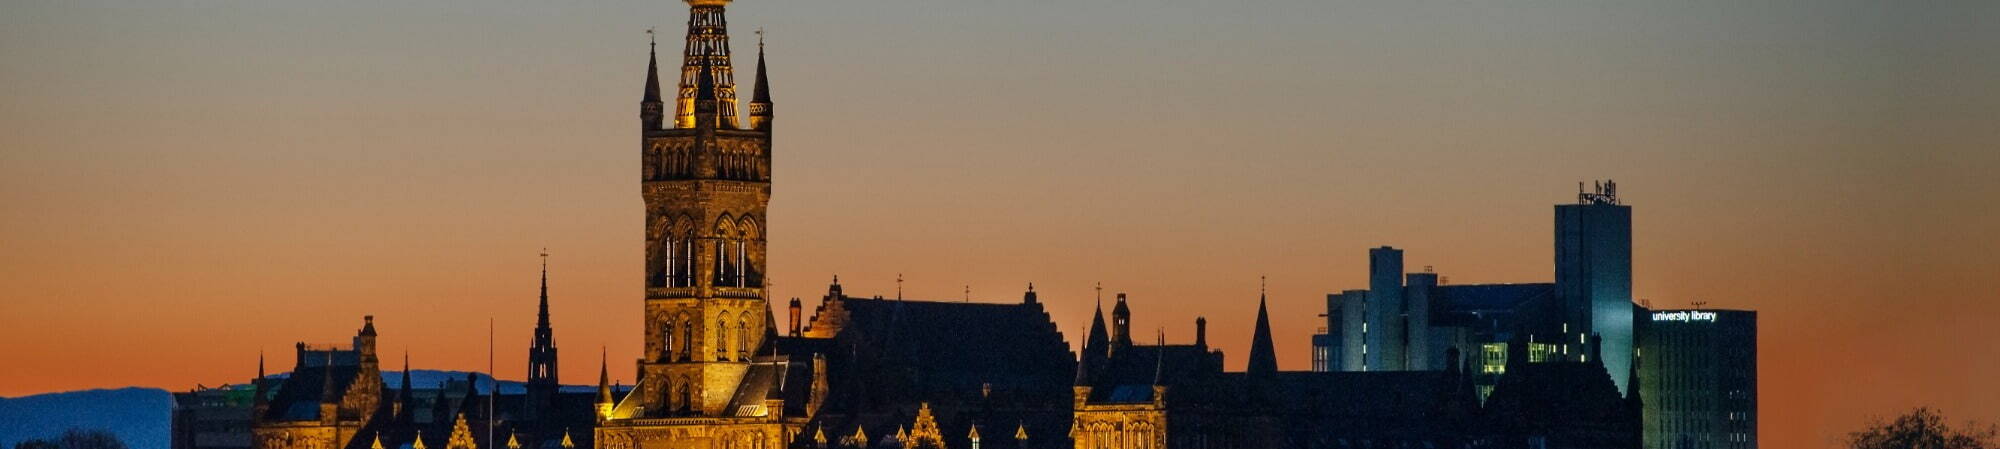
(189, 183)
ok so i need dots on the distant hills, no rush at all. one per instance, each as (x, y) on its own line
(138, 416)
(142, 417)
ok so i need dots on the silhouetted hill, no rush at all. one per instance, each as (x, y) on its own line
(138, 416)
(142, 417)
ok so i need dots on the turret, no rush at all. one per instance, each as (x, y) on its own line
(760, 102)
(1121, 324)
(1201, 333)
(1029, 297)
(364, 341)
(796, 311)
(651, 110)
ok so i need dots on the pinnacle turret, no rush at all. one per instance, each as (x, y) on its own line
(651, 109)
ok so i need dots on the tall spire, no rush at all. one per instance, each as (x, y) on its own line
(1263, 358)
(542, 319)
(542, 376)
(707, 51)
(651, 109)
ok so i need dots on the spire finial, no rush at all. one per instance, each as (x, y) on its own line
(1100, 294)
(542, 321)
(760, 40)
(899, 276)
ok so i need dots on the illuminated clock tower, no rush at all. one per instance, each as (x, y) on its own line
(706, 184)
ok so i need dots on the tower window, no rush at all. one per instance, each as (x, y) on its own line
(667, 343)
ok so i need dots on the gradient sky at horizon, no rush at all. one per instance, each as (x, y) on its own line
(188, 183)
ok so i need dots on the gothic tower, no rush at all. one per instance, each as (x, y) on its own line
(706, 184)
(542, 383)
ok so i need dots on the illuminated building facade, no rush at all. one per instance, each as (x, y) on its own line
(711, 375)
(336, 397)
(1698, 376)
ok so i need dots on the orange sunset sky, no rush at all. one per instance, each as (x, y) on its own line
(186, 184)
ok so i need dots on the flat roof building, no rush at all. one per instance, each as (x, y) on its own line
(1698, 378)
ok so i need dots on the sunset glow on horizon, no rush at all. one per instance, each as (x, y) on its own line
(188, 186)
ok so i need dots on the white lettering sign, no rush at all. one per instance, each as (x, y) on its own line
(1685, 316)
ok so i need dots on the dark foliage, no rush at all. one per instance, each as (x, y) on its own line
(75, 439)
(1923, 428)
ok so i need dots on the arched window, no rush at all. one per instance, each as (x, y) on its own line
(667, 341)
(751, 250)
(686, 277)
(669, 257)
(687, 395)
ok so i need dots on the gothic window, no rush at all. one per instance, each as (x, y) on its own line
(667, 341)
(686, 266)
(743, 337)
(687, 395)
(749, 275)
(667, 257)
(741, 262)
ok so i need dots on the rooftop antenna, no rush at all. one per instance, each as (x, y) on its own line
(899, 276)
(968, 293)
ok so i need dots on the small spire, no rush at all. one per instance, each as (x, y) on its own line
(1160, 361)
(260, 364)
(1263, 358)
(652, 68)
(603, 376)
(763, 94)
(406, 374)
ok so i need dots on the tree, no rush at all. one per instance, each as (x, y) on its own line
(1923, 428)
(75, 439)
